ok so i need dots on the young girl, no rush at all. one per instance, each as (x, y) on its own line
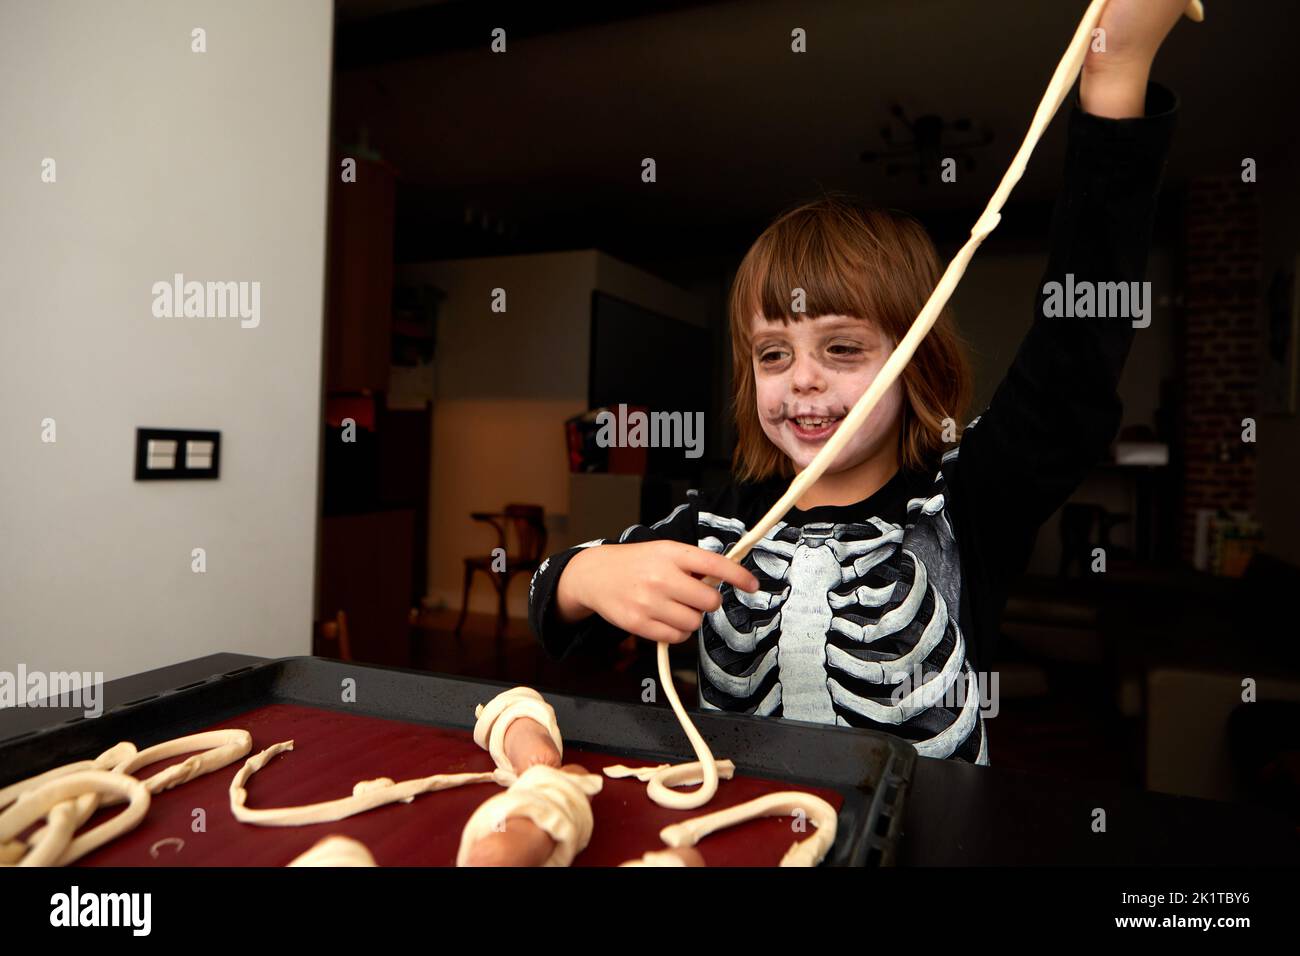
(876, 600)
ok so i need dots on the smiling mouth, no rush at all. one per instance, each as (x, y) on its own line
(814, 429)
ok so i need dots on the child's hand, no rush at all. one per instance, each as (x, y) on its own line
(650, 589)
(1114, 81)
(1134, 31)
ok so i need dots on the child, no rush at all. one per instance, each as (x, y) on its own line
(877, 598)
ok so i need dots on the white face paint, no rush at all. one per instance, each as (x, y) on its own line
(819, 368)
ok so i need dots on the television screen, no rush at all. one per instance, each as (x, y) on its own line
(640, 357)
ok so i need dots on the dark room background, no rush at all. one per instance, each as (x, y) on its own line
(522, 171)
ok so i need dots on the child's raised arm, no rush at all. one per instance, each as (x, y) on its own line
(1054, 415)
(1126, 40)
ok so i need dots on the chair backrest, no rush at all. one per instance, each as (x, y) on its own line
(529, 522)
(336, 632)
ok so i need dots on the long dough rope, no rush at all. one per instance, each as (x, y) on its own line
(212, 750)
(558, 802)
(687, 773)
(1067, 70)
(493, 720)
(366, 795)
(807, 852)
(110, 758)
(657, 789)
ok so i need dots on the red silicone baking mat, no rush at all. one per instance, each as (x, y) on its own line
(333, 751)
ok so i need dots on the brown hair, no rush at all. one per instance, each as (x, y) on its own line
(864, 262)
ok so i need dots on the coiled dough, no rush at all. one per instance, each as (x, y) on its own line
(55, 845)
(558, 802)
(495, 717)
(217, 749)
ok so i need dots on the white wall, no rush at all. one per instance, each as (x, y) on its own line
(213, 165)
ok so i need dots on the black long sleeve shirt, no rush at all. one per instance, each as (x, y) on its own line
(878, 614)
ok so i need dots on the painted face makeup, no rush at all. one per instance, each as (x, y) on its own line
(808, 375)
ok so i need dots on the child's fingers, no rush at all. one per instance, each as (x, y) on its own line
(677, 616)
(693, 593)
(661, 633)
(707, 564)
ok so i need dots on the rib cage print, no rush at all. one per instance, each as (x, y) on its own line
(854, 624)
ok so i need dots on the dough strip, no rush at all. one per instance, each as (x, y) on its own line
(366, 795)
(807, 852)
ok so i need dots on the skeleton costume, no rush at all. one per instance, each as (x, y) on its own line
(880, 614)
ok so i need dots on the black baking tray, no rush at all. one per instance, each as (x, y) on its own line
(871, 770)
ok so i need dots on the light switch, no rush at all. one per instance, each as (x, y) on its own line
(161, 455)
(198, 454)
(168, 454)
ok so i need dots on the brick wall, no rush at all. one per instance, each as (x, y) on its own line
(1220, 348)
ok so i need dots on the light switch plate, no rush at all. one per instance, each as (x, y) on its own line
(171, 454)
(198, 454)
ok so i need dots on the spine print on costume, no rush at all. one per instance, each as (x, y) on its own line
(854, 624)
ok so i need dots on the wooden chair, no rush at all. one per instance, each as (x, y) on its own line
(334, 638)
(529, 524)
